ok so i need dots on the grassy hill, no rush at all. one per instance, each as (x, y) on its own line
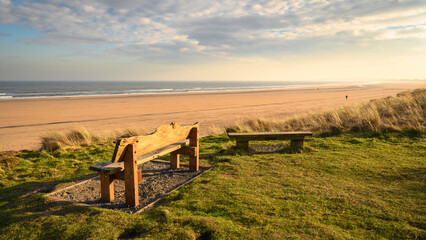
(353, 185)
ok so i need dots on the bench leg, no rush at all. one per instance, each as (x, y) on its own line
(296, 143)
(174, 160)
(242, 144)
(194, 142)
(131, 186)
(107, 187)
(193, 163)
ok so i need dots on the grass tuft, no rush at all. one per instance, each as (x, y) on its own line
(56, 140)
(75, 138)
(130, 132)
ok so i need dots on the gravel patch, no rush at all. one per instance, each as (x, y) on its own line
(158, 180)
(267, 148)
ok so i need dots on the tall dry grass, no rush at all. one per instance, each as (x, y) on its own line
(55, 140)
(75, 138)
(406, 111)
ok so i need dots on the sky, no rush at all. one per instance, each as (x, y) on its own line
(315, 40)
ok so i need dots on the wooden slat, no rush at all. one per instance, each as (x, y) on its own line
(174, 160)
(270, 133)
(194, 137)
(131, 188)
(120, 176)
(162, 151)
(269, 136)
(190, 151)
(112, 168)
(107, 187)
(242, 144)
(163, 136)
(107, 167)
(296, 143)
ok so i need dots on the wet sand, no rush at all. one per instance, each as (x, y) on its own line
(24, 121)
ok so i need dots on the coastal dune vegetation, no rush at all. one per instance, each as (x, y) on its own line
(404, 112)
(61, 140)
(361, 177)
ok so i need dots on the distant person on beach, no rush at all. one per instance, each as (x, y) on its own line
(346, 97)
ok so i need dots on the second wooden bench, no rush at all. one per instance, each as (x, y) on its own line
(243, 139)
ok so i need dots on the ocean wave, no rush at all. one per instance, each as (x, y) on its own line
(152, 90)
(88, 89)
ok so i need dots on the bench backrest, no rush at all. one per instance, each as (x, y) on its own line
(163, 136)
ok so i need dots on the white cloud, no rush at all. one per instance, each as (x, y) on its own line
(5, 14)
(89, 9)
(179, 28)
(405, 33)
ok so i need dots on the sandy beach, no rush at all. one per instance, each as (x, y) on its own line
(24, 121)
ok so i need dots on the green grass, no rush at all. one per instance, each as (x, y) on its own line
(351, 186)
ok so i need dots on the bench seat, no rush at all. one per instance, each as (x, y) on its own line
(109, 167)
(270, 135)
(296, 138)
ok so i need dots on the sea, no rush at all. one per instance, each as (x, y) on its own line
(49, 89)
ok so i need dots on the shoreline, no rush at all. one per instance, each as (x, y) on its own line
(3, 96)
(104, 96)
(24, 121)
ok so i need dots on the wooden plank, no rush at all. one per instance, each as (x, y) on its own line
(270, 133)
(107, 187)
(190, 151)
(242, 144)
(269, 136)
(161, 152)
(105, 167)
(174, 160)
(296, 143)
(131, 188)
(111, 168)
(120, 176)
(163, 136)
(260, 138)
(194, 137)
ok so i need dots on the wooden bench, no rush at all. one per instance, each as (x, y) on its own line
(133, 151)
(243, 139)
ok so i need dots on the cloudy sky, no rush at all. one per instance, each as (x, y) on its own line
(212, 40)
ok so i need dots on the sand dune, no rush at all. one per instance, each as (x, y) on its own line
(23, 121)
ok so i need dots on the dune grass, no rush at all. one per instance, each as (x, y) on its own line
(351, 186)
(75, 138)
(404, 112)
